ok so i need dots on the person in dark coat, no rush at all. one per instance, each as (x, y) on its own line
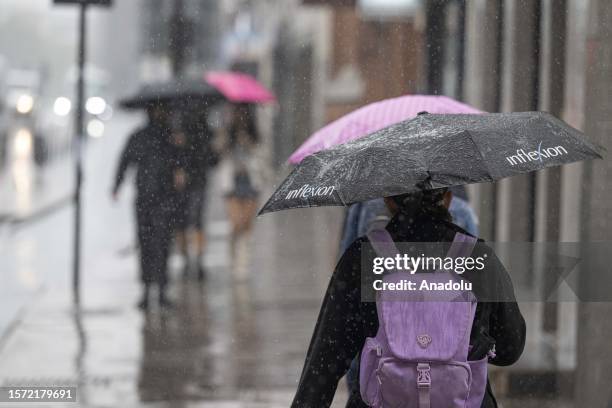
(148, 150)
(345, 321)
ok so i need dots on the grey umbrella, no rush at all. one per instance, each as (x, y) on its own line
(434, 151)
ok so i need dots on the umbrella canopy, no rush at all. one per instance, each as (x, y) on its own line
(376, 116)
(171, 92)
(433, 151)
(239, 87)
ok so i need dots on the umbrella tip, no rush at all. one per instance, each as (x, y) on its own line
(422, 113)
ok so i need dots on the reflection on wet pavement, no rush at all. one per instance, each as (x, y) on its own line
(224, 344)
(174, 349)
(247, 341)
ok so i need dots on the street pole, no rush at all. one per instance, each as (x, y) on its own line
(79, 134)
(177, 39)
(79, 147)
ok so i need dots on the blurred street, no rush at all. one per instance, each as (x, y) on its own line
(236, 345)
(224, 344)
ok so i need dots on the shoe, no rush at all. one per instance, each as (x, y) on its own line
(144, 303)
(165, 302)
(186, 271)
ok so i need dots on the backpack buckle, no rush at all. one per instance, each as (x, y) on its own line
(423, 375)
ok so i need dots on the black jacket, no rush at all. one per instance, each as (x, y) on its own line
(143, 151)
(345, 322)
(155, 159)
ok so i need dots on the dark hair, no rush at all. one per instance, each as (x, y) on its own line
(243, 119)
(423, 202)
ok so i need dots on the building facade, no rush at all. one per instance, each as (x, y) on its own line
(180, 37)
(554, 56)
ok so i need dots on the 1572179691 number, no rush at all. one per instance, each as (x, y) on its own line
(40, 394)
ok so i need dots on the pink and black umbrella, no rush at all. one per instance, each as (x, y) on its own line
(239, 87)
(374, 117)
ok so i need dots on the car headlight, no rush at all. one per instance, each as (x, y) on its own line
(25, 103)
(62, 106)
(95, 128)
(95, 105)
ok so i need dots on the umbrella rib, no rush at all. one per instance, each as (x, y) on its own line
(482, 159)
(341, 199)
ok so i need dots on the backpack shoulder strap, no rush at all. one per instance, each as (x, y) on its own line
(462, 245)
(381, 240)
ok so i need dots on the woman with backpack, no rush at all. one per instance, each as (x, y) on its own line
(344, 324)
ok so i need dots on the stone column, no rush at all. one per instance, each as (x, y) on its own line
(594, 351)
(520, 62)
(552, 80)
(481, 87)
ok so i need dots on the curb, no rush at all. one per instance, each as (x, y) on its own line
(38, 214)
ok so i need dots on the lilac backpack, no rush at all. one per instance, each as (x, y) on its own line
(418, 358)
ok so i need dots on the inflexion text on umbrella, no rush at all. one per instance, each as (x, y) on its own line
(310, 191)
(536, 155)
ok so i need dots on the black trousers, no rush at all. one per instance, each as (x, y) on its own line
(154, 226)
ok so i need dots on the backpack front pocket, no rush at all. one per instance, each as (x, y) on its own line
(479, 382)
(449, 383)
(369, 385)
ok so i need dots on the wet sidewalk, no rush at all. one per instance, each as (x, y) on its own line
(28, 192)
(28, 195)
(223, 345)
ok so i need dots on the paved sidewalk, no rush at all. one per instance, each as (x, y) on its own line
(224, 345)
(27, 191)
(27, 196)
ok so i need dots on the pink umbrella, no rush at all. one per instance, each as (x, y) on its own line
(239, 87)
(375, 116)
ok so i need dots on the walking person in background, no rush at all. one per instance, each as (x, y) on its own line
(462, 212)
(177, 150)
(345, 321)
(200, 157)
(242, 179)
(156, 177)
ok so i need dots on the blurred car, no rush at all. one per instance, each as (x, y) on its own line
(41, 126)
(23, 89)
(57, 113)
(20, 99)
(98, 109)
